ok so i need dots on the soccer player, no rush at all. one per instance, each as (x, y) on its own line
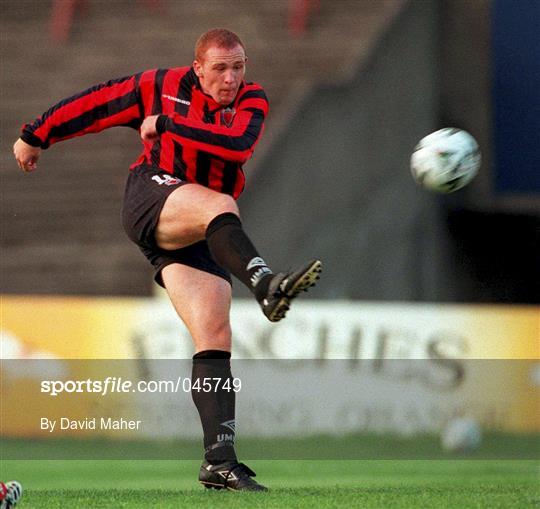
(198, 125)
(10, 494)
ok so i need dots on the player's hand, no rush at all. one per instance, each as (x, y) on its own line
(26, 155)
(148, 128)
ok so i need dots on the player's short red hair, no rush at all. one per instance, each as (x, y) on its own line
(218, 37)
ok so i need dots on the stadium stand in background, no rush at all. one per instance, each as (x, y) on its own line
(64, 11)
(352, 84)
(62, 232)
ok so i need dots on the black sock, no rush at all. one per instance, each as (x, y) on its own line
(216, 407)
(232, 249)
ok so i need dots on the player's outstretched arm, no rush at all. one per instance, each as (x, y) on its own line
(26, 155)
(109, 104)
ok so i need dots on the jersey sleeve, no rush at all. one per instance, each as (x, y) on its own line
(231, 143)
(113, 103)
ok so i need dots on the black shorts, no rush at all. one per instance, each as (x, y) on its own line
(147, 188)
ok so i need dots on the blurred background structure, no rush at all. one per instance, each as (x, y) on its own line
(353, 85)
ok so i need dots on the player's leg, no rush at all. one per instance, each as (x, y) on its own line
(202, 301)
(186, 214)
(192, 213)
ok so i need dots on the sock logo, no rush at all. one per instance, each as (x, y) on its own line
(259, 273)
(256, 262)
(225, 437)
(230, 424)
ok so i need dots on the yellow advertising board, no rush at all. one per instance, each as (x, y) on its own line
(70, 334)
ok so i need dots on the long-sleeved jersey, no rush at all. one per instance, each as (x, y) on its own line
(200, 140)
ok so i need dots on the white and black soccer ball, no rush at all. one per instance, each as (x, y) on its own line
(446, 160)
(461, 435)
(10, 494)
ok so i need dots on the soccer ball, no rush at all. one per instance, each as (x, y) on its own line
(446, 160)
(461, 435)
(10, 494)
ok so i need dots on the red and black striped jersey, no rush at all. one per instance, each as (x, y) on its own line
(200, 140)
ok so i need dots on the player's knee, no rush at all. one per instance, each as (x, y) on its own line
(221, 204)
(215, 336)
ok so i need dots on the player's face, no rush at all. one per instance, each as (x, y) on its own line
(221, 72)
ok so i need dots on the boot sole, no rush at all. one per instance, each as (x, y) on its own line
(214, 486)
(308, 279)
(302, 284)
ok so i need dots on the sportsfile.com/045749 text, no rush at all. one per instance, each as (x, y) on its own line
(118, 385)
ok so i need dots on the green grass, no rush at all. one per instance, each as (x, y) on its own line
(503, 472)
(161, 484)
(495, 445)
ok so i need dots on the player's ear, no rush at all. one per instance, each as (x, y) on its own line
(197, 67)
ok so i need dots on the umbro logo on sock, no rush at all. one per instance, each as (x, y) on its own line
(230, 424)
(255, 262)
(259, 273)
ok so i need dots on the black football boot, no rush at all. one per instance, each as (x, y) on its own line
(229, 476)
(285, 286)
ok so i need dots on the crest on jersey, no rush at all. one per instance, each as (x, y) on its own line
(227, 116)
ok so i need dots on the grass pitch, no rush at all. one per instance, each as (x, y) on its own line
(503, 472)
(164, 484)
